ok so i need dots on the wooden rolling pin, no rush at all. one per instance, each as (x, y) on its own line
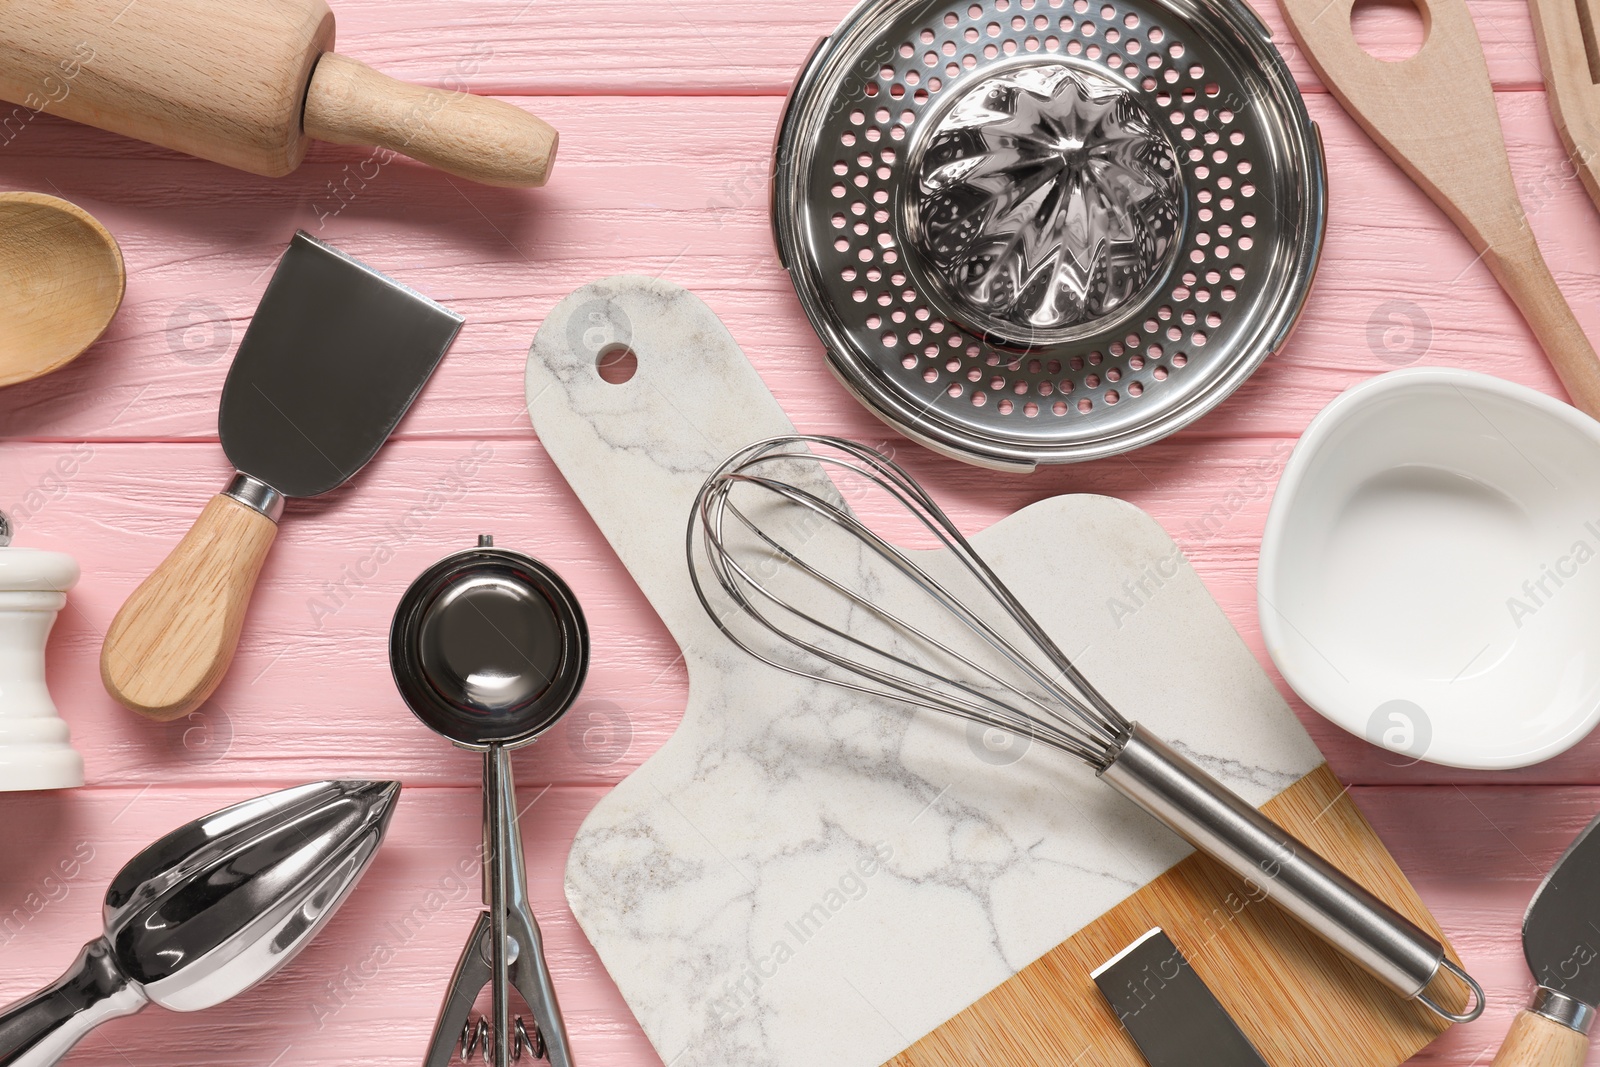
(247, 83)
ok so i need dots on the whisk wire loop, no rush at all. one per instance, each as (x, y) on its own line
(1071, 716)
(981, 706)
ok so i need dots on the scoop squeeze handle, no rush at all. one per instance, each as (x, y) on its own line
(170, 645)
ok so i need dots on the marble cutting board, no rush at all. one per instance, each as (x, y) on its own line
(804, 876)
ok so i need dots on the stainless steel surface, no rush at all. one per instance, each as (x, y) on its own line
(781, 564)
(208, 911)
(334, 356)
(255, 494)
(489, 648)
(1047, 199)
(1558, 928)
(1168, 1010)
(1570, 1012)
(1036, 231)
(498, 784)
(526, 1040)
(1273, 863)
(5, 530)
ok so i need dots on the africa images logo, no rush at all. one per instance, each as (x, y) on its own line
(1538, 590)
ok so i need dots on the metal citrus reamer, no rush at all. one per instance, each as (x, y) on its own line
(1032, 233)
(208, 911)
(764, 545)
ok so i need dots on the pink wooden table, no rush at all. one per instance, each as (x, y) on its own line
(666, 112)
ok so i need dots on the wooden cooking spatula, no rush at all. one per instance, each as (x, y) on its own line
(1434, 115)
(1569, 52)
(248, 83)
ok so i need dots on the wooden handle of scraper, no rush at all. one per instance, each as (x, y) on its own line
(173, 640)
(1434, 114)
(474, 137)
(1535, 1041)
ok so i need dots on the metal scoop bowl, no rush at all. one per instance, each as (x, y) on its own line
(489, 648)
(208, 911)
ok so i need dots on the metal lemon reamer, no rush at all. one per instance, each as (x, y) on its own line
(758, 534)
(208, 911)
(1041, 234)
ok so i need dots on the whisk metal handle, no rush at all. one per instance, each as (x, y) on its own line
(1288, 872)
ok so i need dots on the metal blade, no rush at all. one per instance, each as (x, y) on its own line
(1561, 931)
(1168, 1010)
(335, 355)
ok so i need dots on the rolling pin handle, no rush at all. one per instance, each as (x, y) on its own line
(473, 137)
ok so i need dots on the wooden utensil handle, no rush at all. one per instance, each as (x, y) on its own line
(1521, 270)
(173, 640)
(1535, 1041)
(473, 137)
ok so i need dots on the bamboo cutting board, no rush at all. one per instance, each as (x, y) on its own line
(803, 876)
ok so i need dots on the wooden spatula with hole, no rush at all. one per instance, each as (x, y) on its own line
(1434, 114)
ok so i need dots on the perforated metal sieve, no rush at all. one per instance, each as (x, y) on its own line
(1042, 231)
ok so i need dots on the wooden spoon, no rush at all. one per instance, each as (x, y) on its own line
(1434, 114)
(61, 281)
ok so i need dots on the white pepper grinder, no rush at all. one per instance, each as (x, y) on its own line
(35, 752)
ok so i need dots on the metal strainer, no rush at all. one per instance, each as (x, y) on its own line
(1042, 231)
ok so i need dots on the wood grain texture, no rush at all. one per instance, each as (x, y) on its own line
(691, 47)
(61, 280)
(173, 640)
(1570, 80)
(1300, 1002)
(1535, 1041)
(478, 138)
(667, 112)
(225, 82)
(366, 990)
(676, 187)
(1434, 114)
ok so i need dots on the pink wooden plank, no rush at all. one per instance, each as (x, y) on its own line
(311, 677)
(367, 989)
(668, 184)
(365, 992)
(694, 46)
(1398, 284)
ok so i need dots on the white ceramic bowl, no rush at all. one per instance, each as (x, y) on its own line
(1430, 572)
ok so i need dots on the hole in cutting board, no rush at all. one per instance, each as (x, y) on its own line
(1390, 30)
(616, 364)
